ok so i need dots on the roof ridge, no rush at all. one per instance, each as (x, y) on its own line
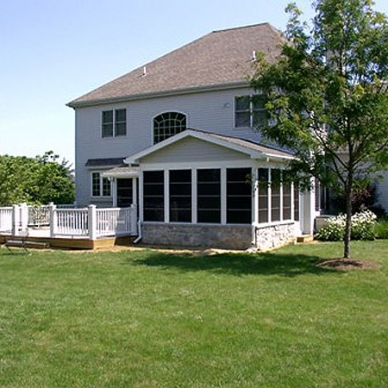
(242, 27)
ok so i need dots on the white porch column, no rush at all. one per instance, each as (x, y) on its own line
(15, 220)
(114, 191)
(135, 200)
(223, 196)
(307, 212)
(141, 197)
(255, 207)
(166, 196)
(23, 217)
(92, 222)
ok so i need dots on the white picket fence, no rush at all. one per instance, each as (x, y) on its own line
(90, 222)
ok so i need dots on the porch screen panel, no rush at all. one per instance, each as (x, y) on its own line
(153, 192)
(124, 192)
(209, 196)
(296, 202)
(263, 195)
(286, 200)
(180, 195)
(275, 194)
(238, 196)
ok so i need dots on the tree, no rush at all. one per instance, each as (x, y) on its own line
(38, 180)
(327, 96)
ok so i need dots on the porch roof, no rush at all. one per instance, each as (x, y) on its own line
(104, 162)
(248, 147)
(121, 172)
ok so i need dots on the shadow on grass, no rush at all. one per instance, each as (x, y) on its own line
(239, 263)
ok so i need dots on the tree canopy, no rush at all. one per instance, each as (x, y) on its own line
(38, 180)
(327, 96)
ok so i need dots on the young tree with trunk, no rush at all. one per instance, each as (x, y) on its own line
(327, 96)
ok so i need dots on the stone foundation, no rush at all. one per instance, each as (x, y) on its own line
(218, 236)
(198, 235)
(272, 236)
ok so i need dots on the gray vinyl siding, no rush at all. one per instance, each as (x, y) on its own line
(210, 111)
(193, 150)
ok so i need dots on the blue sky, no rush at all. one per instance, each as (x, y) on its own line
(55, 51)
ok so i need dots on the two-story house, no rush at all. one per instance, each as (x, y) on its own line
(177, 138)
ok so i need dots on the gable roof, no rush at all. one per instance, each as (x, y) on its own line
(221, 59)
(251, 149)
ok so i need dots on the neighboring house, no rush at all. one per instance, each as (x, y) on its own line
(176, 138)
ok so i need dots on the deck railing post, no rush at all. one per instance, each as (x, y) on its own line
(23, 217)
(15, 220)
(92, 222)
(53, 219)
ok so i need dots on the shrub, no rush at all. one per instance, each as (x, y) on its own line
(381, 229)
(362, 227)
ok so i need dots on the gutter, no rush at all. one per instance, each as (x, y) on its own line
(142, 96)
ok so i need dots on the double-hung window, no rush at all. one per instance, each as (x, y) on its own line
(101, 186)
(250, 111)
(114, 123)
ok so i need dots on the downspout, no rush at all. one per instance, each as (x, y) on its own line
(140, 235)
(253, 239)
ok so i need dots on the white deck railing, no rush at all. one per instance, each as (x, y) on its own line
(70, 222)
(116, 221)
(90, 222)
(6, 219)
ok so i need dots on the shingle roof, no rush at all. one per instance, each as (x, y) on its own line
(107, 162)
(265, 149)
(218, 60)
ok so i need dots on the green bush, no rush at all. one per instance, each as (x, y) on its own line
(363, 227)
(381, 229)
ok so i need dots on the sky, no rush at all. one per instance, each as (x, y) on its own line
(55, 51)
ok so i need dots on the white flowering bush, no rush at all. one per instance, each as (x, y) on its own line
(362, 227)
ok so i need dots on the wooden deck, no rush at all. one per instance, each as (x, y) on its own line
(42, 236)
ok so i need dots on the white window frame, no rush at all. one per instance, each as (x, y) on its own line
(163, 113)
(114, 123)
(251, 111)
(101, 185)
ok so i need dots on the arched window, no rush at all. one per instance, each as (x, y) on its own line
(168, 124)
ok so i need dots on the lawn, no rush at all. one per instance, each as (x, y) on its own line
(151, 319)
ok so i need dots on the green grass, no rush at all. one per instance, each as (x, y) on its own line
(151, 319)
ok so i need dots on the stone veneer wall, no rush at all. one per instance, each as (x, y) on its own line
(198, 235)
(271, 236)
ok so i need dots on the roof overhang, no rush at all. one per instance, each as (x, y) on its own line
(167, 93)
(252, 150)
(121, 172)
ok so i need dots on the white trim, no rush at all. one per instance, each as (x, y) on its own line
(224, 203)
(211, 138)
(167, 93)
(161, 113)
(101, 197)
(194, 192)
(141, 197)
(167, 196)
(114, 136)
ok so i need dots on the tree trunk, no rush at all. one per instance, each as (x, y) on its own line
(348, 223)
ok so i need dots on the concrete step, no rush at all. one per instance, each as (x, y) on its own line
(306, 238)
